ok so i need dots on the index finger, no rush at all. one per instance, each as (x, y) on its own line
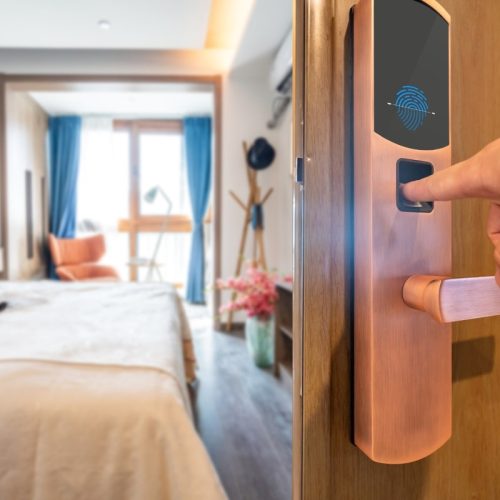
(464, 180)
(477, 177)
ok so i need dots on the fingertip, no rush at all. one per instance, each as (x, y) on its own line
(407, 190)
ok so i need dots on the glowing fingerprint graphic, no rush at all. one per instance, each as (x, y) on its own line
(412, 107)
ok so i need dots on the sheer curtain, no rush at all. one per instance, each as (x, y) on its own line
(103, 187)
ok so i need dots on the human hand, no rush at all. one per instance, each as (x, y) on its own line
(477, 177)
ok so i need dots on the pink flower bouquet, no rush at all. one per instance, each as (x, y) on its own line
(255, 293)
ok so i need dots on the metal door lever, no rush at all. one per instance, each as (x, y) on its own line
(448, 300)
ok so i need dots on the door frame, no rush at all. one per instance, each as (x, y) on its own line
(322, 399)
(22, 81)
(298, 103)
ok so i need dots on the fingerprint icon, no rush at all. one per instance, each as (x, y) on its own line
(412, 107)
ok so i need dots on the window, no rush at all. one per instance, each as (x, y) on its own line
(161, 164)
(120, 162)
(103, 188)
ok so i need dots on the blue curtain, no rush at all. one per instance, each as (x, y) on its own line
(198, 147)
(64, 158)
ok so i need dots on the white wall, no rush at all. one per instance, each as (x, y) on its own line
(284, 193)
(26, 132)
(114, 62)
(246, 110)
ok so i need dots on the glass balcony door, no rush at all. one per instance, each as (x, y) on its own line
(159, 225)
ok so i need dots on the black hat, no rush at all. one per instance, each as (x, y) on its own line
(261, 154)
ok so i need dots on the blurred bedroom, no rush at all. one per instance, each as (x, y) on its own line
(146, 250)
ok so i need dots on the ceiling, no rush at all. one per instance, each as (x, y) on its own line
(147, 37)
(173, 103)
(135, 24)
(268, 25)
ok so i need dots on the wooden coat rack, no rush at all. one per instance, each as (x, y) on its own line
(253, 218)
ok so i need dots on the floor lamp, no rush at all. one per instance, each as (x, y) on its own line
(152, 263)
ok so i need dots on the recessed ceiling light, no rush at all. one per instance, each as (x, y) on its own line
(104, 24)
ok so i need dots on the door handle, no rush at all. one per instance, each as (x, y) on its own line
(449, 300)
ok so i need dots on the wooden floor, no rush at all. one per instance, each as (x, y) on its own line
(244, 416)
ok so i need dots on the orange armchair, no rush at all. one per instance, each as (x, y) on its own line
(76, 259)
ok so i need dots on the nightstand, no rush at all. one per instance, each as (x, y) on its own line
(283, 363)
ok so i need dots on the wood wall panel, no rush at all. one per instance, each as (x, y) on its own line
(332, 467)
(26, 131)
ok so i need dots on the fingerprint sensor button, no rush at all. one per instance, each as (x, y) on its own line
(408, 171)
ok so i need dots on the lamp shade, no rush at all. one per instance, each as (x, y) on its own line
(150, 196)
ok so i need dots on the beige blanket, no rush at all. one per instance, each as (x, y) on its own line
(93, 395)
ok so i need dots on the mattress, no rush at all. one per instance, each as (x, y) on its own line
(94, 402)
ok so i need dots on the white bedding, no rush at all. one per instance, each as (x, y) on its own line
(94, 401)
(125, 324)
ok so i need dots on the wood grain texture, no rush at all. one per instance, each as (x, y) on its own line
(323, 236)
(26, 130)
(150, 126)
(243, 415)
(217, 198)
(474, 449)
(156, 223)
(466, 467)
(283, 345)
(298, 89)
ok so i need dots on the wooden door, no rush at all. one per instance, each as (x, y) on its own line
(326, 463)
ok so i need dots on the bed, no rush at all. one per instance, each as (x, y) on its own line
(94, 403)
